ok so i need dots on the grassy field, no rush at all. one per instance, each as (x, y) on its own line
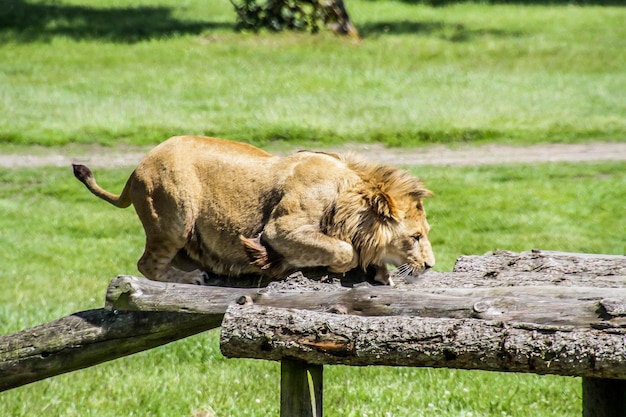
(136, 72)
(61, 246)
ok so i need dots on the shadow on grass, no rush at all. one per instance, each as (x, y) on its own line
(524, 2)
(450, 31)
(22, 21)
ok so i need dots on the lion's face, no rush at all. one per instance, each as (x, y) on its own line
(385, 221)
(410, 249)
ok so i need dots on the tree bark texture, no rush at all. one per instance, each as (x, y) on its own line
(338, 20)
(140, 294)
(544, 262)
(540, 312)
(324, 338)
(554, 305)
(88, 338)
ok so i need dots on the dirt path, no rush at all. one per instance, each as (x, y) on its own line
(97, 156)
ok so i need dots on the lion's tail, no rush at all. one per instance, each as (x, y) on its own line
(85, 176)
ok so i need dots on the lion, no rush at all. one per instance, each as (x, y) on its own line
(234, 209)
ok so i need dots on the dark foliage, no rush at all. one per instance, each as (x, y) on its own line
(298, 15)
(277, 15)
(24, 21)
(440, 3)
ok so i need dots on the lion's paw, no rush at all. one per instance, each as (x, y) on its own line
(383, 276)
(195, 278)
(346, 258)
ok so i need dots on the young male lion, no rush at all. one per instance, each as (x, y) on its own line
(235, 209)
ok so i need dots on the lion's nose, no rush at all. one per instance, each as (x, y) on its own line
(427, 265)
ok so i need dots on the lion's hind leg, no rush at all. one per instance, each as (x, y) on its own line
(156, 264)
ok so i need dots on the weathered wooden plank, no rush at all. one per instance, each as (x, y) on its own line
(140, 294)
(571, 306)
(324, 338)
(545, 306)
(89, 338)
(545, 262)
(512, 278)
(301, 388)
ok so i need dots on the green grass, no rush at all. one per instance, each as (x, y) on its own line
(137, 72)
(61, 246)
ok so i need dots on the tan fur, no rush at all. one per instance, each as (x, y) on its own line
(234, 209)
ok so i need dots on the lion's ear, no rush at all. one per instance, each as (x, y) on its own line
(383, 205)
(421, 193)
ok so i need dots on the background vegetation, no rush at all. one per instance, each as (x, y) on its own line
(134, 72)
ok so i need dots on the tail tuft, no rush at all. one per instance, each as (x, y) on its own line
(264, 257)
(82, 172)
(256, 251)
(84, 175)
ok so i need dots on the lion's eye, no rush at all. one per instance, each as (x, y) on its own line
(417, 237)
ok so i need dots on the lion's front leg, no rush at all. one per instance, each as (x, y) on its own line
(305, 246)
(343, 256)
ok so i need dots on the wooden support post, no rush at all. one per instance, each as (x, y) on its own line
(301, 386)
(604, 397)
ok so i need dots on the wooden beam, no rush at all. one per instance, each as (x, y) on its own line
(140, 294)
(88, 338)
(543, 304)
(545, 262)
(323, 338)
(602, 397)
(591, 303)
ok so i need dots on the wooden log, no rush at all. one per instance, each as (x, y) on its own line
(545, 262)
(301, 387)
(512, 278)
(325, 338)
(140, 294)
(550, 305)
(601, 397)
(89, 338)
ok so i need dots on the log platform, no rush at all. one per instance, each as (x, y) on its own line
(539, 312)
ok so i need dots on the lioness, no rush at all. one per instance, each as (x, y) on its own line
(236, 209)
